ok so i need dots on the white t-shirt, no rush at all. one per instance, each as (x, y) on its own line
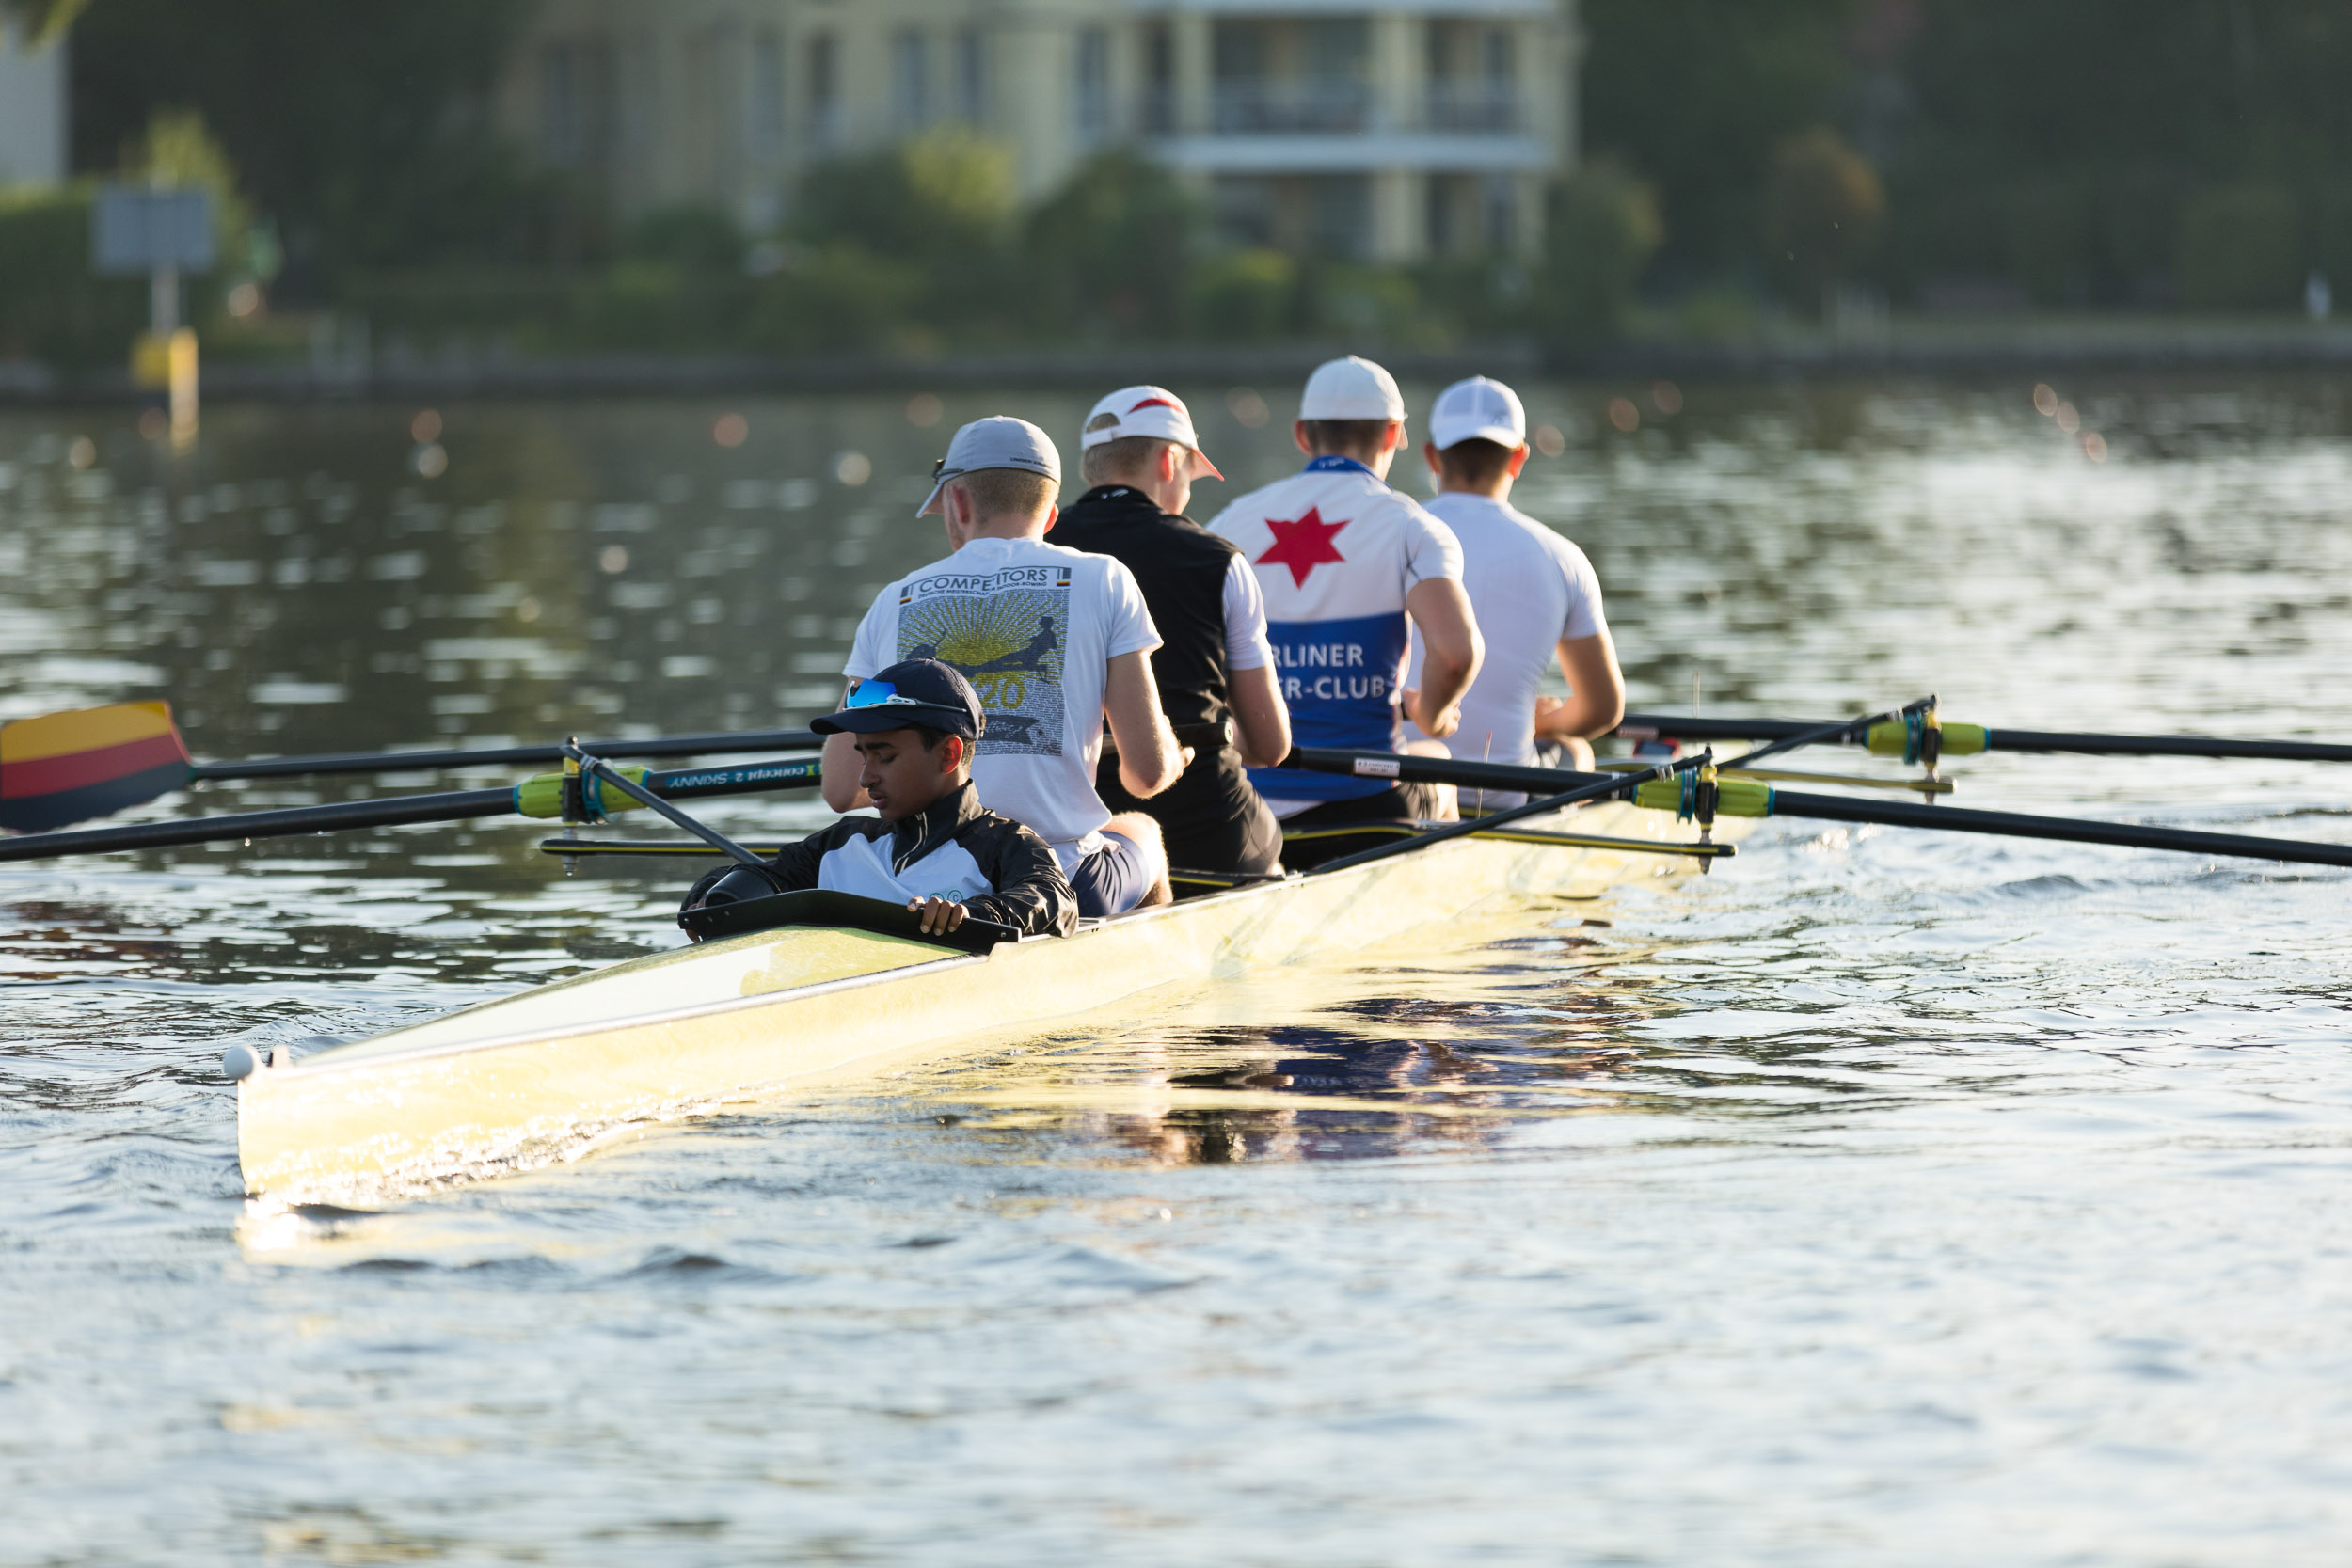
(1335, 551)
(1034, 627)
(1530, 590)
(1246, 645)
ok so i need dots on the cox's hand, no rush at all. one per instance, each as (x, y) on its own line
(938, 915)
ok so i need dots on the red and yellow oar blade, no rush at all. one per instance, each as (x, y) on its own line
(67, 768)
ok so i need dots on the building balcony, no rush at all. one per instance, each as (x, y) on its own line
(1354, 152)
(1488, 106)
(1290, 105)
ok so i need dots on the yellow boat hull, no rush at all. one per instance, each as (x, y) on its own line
(529, 1077)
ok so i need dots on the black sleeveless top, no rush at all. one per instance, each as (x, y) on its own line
(1181, 568)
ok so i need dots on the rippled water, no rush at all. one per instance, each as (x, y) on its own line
(1881, 1197)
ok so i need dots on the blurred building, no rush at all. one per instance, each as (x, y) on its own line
(32, 110)
(1389, 130)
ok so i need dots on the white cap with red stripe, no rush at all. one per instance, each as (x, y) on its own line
(1152, 411)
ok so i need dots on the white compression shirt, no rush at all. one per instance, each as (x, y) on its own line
(1246, 645)
(1532, 589)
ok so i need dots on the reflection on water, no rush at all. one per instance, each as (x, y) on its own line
(1880, 1196)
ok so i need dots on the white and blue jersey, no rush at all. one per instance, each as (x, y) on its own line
(1336, 551)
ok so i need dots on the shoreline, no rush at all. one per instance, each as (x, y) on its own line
(2068, 346)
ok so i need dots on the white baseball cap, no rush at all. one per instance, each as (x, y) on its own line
(1351, 389)
(1152, 411)
(1479, 409)
(999, 441)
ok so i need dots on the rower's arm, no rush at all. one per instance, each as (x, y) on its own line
(1596, 701)
(840, 768)
(1450, 653)
(1149, 761)
(1262, 721)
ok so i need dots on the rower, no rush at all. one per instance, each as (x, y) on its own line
(1345, 563)
(1215, 670)
(1536, 595)
(930, 845)
(1055, 640)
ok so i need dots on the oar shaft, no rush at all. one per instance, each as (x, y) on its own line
(1596, 788)
(455, 806)
(1645, 726)
(1413, 769)
(2164, 746)
(411, 762)
(1837, 808)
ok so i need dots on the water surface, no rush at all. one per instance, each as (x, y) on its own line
(1880, 1197)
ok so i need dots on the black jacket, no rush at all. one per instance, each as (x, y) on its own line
(1031, 894)
(1181, 568)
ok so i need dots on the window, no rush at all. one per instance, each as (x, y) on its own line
(1339, 215)
(764, 110)
(1495, 57)
(910, 82)
(1159, 78)
(559, 105)
(971, 76)
(1503, 212)
(1092, 97)
(824, 90)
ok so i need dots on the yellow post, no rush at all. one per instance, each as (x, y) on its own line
(184, 389)
(166, 363)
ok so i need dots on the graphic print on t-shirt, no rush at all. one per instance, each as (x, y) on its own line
(1303, 543)
(1006, 631)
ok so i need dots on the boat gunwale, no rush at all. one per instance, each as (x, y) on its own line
(325, 1062)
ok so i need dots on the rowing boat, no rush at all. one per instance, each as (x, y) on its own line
(532, 1078)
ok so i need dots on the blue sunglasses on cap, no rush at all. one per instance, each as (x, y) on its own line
(873, 694)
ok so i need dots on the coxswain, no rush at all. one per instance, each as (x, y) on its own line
(1214, 669)
(1537, 596)
(930, 845)
(1345, 563)
(1055, 640)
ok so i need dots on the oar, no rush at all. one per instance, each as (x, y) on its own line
(1505, 776)
(409, 762)
(67, 768)
(542, 796)
(1746, 797)
(1960, 740)
(1592, 790)
(597, 770)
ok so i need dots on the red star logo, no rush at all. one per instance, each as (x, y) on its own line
(1302, 544)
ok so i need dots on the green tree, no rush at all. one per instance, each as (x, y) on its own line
(1823, 209)
(1693, 95)
(2091, 150)
(940, 209)
(363, 130)
(1116, 247)
(42, 19)
(1604, 229)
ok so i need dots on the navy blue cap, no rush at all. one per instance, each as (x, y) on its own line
(917, 691)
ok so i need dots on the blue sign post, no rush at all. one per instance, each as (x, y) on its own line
(161, 232)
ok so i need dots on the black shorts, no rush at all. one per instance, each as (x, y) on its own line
(1210, 818)
(1323, 833)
